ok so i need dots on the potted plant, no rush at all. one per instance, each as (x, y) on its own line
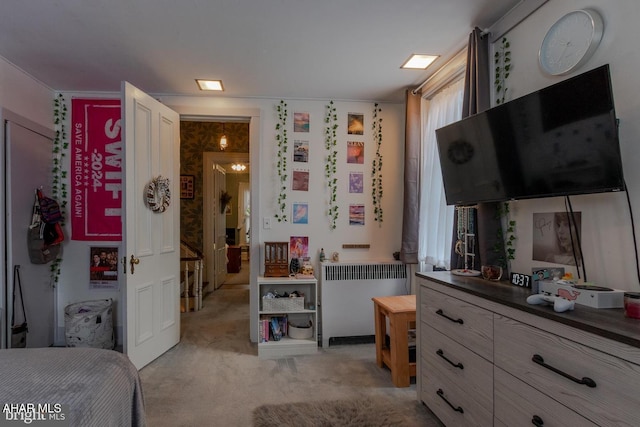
(225, 198)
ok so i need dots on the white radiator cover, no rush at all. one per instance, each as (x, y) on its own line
(346, 289)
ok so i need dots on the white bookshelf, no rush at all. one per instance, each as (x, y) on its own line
(288, 346)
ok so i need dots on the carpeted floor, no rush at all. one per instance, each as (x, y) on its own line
(359, 412)
(241, 278)
(214, 377)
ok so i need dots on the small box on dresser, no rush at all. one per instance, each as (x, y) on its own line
(276, 259)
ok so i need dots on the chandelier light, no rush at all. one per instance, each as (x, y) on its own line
(238, 167)
(223, 140)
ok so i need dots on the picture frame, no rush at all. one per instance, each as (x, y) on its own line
(187, 186)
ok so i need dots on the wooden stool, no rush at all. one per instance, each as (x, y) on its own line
(401, 312)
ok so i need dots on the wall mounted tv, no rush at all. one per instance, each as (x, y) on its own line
(561, 140)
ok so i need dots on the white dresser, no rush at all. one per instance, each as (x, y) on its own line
(489, 358)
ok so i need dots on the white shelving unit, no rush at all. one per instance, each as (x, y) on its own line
(288, 346)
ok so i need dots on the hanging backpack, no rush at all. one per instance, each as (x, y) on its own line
(44, 238)
(49, 209)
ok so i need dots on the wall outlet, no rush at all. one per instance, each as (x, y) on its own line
(266, 222)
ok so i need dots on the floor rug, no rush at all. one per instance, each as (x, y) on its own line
(367, 411)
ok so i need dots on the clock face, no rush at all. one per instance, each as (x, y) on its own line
(570, 41)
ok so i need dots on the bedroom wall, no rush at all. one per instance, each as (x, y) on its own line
(383, 240)
(606, 223)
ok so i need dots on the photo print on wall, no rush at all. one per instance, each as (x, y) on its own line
(300, 213)
(355, 124)
(299, 246)
(103, 268)
(356, 182)
(300, 122)
(300, 151)
(555, 239)
(300, 181)
(355, 152)
(356, 214)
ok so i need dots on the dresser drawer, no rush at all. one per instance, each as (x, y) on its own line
(452, 403)
(465, 323)
(517, 404)
(613, 400)
(458, 365)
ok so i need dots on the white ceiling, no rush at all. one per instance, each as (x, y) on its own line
(303, 49)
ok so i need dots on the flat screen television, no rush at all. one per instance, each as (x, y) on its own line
(561, 140)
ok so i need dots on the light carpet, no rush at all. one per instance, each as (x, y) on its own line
(214, 376)
(362, 412)
(240, 278)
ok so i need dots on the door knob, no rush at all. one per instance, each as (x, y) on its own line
(133, 261)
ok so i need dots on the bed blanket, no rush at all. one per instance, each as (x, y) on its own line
(95, 387)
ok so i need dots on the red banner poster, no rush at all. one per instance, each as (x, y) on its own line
(96, 170)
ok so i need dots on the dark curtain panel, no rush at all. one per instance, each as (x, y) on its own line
(477, 98)
(411, 214)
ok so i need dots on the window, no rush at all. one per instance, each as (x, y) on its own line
(436, 218)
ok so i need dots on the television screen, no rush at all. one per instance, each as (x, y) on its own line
(560, 140)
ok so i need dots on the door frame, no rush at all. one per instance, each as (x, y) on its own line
(6, 274)
(255, 154)
(208, 210)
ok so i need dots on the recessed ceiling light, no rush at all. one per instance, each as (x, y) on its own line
(210, 84)
(419, 62)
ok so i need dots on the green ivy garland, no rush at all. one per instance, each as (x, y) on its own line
(59, 185)
(376, 170)
(502, 61)
(330, 168)
(281, 166)
(504, 246)
(506, 234)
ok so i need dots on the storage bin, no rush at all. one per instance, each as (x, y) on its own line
(298, 333)
(283, 304)
(89, 324)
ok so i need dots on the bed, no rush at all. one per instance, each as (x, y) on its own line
(86, 386)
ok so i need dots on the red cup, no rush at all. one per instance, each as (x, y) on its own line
(632, 305)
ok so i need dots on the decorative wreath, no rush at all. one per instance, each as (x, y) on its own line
(158, 194)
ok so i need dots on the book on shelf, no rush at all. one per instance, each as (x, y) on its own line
(263, 330)
(278, 326)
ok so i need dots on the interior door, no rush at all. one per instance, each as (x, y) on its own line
(152, 238)
(220, 226)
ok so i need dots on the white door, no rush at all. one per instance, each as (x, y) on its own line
(151, 242)
(220, 226)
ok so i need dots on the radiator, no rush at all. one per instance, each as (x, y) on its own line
(346, 289)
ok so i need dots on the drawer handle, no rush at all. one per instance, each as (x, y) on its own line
(537, 421)
(455, 365)
(441, 394)
(441, 313)
(585, 380)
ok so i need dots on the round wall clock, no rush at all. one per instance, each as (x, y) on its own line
(571, 41)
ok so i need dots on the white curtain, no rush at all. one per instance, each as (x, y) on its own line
(436, 218)
(244, 212)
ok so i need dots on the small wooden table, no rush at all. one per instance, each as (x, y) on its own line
(401, 312)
